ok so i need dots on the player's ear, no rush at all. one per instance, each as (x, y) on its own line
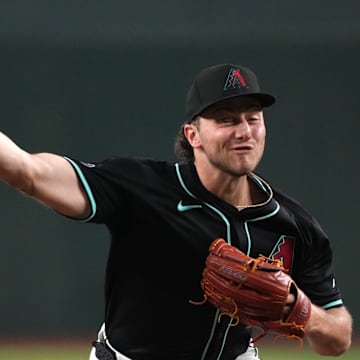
(191, 133)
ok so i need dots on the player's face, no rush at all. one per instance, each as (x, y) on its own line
(230, 136)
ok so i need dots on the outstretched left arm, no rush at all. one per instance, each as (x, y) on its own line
(329, 331)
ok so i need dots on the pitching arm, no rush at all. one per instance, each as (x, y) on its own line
(46, 177)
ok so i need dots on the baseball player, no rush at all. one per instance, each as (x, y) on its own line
(162, 217)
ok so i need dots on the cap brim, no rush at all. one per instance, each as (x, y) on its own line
(265, 100)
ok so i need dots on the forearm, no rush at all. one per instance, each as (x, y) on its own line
(13, 164)
(329, 331)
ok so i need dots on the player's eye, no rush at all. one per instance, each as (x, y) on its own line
(226, 120)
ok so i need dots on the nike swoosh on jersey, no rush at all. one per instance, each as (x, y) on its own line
(181, 207)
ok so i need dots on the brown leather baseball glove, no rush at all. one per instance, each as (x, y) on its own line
(253, 291)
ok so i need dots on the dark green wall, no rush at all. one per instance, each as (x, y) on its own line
(91, 88)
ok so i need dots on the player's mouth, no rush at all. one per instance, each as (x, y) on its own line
(242, 148)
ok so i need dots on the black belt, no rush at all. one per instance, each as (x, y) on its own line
(102, 351)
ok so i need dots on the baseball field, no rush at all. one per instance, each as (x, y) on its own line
(81, 352)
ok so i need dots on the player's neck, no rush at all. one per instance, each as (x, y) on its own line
(256, 197)
(239, 191)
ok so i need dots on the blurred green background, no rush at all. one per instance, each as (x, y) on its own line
(91, 79)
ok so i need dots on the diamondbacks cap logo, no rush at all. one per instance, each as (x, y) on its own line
(235, 80)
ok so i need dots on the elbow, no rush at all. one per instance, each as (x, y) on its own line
(333, 346)
(330, 341)
(20, 180)
(25, 187)
(23, 181)
(336, 348)
(341, 346)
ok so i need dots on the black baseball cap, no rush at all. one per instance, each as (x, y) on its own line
(220, 82)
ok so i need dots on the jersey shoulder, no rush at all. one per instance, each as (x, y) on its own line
(135, 165)
(294, 209)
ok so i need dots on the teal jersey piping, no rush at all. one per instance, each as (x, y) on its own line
(86, 188)
(226, 221)
(211, 335)
(182, 183)
(256, 178)
(246, 226)
(223, 217)
(333, 304)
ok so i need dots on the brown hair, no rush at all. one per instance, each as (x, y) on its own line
(183, 150)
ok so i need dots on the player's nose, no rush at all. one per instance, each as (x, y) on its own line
(242, 130)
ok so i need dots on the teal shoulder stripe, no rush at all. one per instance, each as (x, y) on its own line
(87, 190)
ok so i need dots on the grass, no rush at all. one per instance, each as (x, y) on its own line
(275, 351)
(45, 353)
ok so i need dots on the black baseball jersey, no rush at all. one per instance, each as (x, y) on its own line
(162, 221)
